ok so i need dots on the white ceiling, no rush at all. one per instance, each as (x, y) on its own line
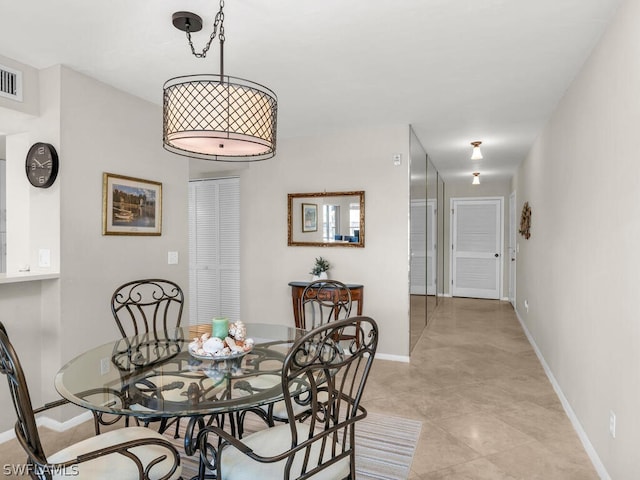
(457, 70)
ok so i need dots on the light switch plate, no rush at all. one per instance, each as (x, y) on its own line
(172, 258)
(44, 258)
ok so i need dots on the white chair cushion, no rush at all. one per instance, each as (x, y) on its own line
(115, 466)
(273, 441)
(280, 410)
(264, 382)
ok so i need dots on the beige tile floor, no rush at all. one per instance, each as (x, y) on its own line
(486, 406)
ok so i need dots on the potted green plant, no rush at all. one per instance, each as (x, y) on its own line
(320, 269)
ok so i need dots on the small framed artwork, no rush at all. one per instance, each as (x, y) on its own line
(309, 217)
(131, 206)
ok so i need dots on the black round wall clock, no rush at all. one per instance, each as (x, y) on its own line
(41, 165)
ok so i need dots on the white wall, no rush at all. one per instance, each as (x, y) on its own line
(33, 213)
(120, 134)
(580, 269)
(345, 161)
(20, 313)
(97, 129)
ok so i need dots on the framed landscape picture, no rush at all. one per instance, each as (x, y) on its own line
(131, 206)
(309, 217)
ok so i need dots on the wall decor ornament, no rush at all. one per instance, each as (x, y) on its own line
(131, 206)
(525, 221)
(326, 219)
(309, 217)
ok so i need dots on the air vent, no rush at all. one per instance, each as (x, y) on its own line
(10, 83)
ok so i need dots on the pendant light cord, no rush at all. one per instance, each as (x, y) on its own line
(218, 25)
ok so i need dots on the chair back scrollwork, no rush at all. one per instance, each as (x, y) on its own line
(324, 301)
(148, 306)
(332, 381)
(335, 380)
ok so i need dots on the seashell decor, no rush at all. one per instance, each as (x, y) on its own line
(236, 342)
(238, 331)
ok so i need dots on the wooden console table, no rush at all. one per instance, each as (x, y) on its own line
(357, 295)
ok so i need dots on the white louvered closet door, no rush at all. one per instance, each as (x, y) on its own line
(423, 274)
(419, 276)
(431, 247)
(476, 260)
(214, 250)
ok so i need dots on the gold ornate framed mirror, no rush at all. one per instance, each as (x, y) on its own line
(328, 219)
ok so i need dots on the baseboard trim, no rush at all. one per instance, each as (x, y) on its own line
(51, 424)
(586, 443)
(393, 358)
(62, 426)
(6, 436)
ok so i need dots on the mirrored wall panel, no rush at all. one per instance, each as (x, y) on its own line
(418, 274)
(432, 237)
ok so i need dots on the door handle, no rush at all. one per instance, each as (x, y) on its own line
(496, 255)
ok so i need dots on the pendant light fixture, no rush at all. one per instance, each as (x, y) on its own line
(217, 117)
(476, 178)
(476, 154)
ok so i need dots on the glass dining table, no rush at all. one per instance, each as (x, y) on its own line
(150, 376)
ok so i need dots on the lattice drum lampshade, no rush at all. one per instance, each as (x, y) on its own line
(218, 117)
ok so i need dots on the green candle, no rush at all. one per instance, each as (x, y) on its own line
(220, 327)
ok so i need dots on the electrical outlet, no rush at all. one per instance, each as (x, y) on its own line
(172, 258)
(612, 424)
(526, 306)
(105, 365)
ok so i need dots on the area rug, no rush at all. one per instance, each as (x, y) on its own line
(384, 446)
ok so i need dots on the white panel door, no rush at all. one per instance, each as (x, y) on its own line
(214, 250)
(476, 260)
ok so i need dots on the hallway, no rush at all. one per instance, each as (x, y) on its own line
(487, 407)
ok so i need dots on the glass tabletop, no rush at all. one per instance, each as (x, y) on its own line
(148, 376)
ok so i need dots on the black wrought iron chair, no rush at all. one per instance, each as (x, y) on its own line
(147, 306)
(321, 447)
(324, 301)
(126, 453)
(151, 307)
